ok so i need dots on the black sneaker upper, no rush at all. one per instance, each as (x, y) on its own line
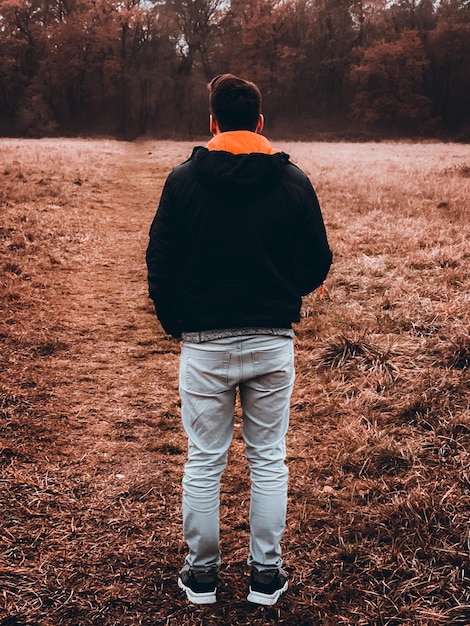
(199, 582)
(267, 581)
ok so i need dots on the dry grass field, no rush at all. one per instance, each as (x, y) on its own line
(92, 450)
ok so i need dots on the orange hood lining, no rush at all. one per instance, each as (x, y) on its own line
(241, 142)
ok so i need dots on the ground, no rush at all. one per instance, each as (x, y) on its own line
(92, 449)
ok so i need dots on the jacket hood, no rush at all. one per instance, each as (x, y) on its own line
(241, 142)
(241, 161)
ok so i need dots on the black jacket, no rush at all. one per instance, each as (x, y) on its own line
(235, 243)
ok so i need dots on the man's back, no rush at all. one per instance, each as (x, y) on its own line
(250, 241)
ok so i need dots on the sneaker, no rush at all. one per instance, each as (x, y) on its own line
(200, 587)
(267, 586)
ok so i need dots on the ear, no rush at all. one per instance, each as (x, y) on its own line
(260, 125)
(213, 126)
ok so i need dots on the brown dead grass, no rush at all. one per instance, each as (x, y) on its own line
(92, 449)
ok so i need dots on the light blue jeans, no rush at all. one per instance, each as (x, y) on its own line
(262, 367)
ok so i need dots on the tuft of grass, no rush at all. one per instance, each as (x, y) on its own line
(355, 353)
(458, 351)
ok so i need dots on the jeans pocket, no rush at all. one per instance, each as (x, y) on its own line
(274, 368)
(204, 371)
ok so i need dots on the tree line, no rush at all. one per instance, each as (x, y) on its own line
(133, 67)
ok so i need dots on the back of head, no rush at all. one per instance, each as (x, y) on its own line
(234, 103)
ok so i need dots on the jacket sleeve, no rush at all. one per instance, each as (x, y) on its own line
(313, 254)
(163, 262)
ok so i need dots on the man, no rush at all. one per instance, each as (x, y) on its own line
(237, 240)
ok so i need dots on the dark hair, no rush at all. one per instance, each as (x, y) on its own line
(234, 103)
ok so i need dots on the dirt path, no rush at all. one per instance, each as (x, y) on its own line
(116, 381)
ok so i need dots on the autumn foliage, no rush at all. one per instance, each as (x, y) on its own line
(137, 66)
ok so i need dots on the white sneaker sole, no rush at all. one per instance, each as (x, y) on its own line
(208, 597)
(267, 599)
